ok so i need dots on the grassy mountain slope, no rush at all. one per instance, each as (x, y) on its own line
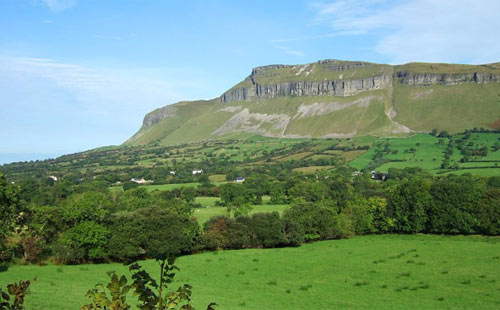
(452, 108)
(336, 99)
(185, 111)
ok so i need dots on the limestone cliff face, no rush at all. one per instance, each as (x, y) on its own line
(262, 69)
(327, 64)
(427, 79)
(338, 80)
(302, 84)
(341, 88)
(335, 65)
(157, 115)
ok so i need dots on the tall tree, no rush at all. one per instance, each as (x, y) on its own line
(9, 212)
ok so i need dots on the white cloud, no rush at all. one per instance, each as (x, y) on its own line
(420, 30)
(60, 5)
(287, 50)
(83, 106)
(56, 6)
(112, 85)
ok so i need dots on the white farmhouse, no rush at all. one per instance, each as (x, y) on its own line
(139, 181)
(199, 171)
(239, 179)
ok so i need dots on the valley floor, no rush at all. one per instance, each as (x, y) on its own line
(366, 272)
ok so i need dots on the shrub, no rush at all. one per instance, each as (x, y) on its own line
(13, 299)
(85, 242)
(267, 230)
(293, 232)
(488, 213)
(361, 216)
(318, 220)
(151, 294)
(151, 232)
(455, 200)
(89, 206)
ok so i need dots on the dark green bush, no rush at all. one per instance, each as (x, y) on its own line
(151, 232)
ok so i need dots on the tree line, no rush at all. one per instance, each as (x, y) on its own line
(94, 225)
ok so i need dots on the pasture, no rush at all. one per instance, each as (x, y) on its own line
(208, 208)
(204, 214)
(427, 152)
(366, 272)
(163, 187)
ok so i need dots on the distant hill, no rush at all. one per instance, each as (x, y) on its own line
(336, 99)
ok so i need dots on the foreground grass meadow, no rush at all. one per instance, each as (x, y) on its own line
(366, 272)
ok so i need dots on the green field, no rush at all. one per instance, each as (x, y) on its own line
(204, 214)
(427, 152)
(164, 187)
(252, 151)
(368, 272)
(209, 209)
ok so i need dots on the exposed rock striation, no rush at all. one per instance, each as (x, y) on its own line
(340, 88)
(251, 89)
(245, 121)
(427, 79)
(321, 108)
(262, 69)
(335, 65)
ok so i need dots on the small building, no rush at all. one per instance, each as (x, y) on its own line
(172, 172)
(197, 171)
(239, 179)
(54, 178)
(139, 181)
(379, 176)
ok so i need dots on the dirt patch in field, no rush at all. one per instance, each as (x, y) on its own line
(351, 155)
(312, 169)
(495, 124)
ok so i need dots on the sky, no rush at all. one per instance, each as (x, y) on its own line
(80, 74)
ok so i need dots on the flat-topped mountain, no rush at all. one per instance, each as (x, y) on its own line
(332, 98)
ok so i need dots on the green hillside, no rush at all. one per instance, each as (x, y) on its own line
(185, 111)
(336, 99)
(452, 108)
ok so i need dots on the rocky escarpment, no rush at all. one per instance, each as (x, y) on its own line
(262, 69)
(157, 115)
(340, 78)
(341, 88)
(326, 64)
(427, 79)
(335, 65)
(252, 89)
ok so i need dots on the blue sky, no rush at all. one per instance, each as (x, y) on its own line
(79, 74)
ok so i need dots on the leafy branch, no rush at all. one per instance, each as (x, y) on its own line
(151, 294)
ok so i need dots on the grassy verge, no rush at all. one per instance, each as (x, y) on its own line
(368, 272)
